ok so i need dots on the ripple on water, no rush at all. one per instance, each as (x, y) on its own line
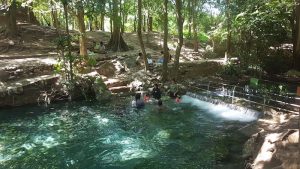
(128, 148)
(101, 120)
(46, 141)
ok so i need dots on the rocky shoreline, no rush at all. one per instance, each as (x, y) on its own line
(273, 142)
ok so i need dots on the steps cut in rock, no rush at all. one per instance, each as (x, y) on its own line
(115, 83)
(120, 89)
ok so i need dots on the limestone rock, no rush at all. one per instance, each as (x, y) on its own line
(107, 69)
(3, 75)
(120, 89)
(115, 83)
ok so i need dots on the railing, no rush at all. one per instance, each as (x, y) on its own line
(234, 93)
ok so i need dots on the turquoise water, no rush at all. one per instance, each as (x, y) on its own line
(87, 135)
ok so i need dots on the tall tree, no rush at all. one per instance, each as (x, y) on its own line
(54, 14)
(166, 51)
(12, 20)
(179, 17)
(228, 18)
(297, 38)
(190, 14)
(69, 55)
(195, 29)
(140, 34)
(116, 42)
(81, 25)
(150, 23)
(296, 52)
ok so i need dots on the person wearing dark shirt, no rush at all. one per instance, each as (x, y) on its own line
(156, 92)
(138, 102)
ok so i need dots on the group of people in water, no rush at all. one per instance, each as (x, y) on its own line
(142, 98)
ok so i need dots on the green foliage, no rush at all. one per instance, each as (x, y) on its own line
(267, 90)
(92, 61)
(276, 62)
(101, 85)
(62, 42)
(65, 58)
(58, 67)
(203, 37)
(231, 70)
(293, 73)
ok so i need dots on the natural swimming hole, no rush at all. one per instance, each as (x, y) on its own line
(89, 135)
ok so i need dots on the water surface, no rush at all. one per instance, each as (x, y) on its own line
(88, 135)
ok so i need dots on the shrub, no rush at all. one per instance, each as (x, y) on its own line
(231, 70)
(276, 62)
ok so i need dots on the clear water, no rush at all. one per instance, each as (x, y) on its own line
(87, 135)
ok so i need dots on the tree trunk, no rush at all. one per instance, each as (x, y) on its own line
(180, 35)
(134, 21)
(195, 31)
(102, 22)
(111, 18)
(30, 14)
(96, 23)
(123, 23)
(134, 24)
(296, 53)
(12, 20)
(90, 20)
(228, 46)
(81, 25)
(116, 42)
(190, 19)
(54, 15)
(144, 23)
(150, 23)
(121, 17)
(65, 5)
(166, 51)
(297, 38)
(140, 34)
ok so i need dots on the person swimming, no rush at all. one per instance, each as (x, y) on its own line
(178, 99)
(146, 97)
(138, 102)
(156, 92)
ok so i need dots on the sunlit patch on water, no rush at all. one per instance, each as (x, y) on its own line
(101, 120)
(134, 152)
(130, 148)
(28, 146)
(161, 136)
(46, 141)
(4, 158)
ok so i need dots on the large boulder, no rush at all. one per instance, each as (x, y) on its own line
(107, 69)
(4, 75)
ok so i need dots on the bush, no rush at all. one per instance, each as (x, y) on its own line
(277, 62)
(293, 73)
(231, 70)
